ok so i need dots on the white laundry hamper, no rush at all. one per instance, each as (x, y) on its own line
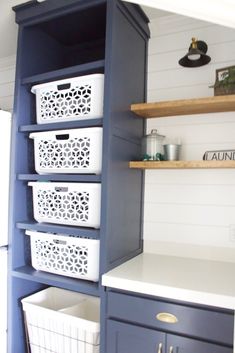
(75, 204)
(65, 255)
(76, 98)
(68, 151)
(62, 321)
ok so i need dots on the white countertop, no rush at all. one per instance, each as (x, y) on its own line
(191, 280)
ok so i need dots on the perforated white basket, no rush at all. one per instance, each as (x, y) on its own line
(65, 255)
(67, 203)
(77, 98)
(60, 321)
(68, 151)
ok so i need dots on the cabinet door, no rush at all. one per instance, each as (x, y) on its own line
(125, 338)
(177, 344)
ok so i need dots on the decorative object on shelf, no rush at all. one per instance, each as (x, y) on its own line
(224, 81)
(172, 152)
(219, 155)
(196, 55)
(152, 146)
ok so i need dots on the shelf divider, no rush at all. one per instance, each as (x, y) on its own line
(87, 178)
(78, 285)
(185, 107)
(88, 68)
(62, 125)
(181, 164)
(61, 229)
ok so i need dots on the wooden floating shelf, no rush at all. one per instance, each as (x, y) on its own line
(181, 164)
(185, 107)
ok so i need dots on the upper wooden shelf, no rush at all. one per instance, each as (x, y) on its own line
(185, 107)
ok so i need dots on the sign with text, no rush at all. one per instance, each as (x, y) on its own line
(221, 155)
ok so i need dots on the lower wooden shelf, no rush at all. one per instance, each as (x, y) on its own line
(181, 164)
(78, 285)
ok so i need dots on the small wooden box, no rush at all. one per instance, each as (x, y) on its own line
(225, 81)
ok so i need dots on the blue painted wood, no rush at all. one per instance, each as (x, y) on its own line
(77, 70)
(125, 77)
(64, 41)
(62, 229)
(110, 39)
(17, 290)
(124, 338)
(40, 53)
(62, 125)
(42, 12)
(77, 285)
(88, 178)
(211, 325)
(186, 345)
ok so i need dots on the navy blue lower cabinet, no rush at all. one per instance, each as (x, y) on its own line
(147, 324)
(177, 344)
(125, 338)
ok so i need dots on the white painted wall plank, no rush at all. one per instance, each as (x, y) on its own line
(190, 211)
(188, 234)
(190, 177)
(212, 35)
(223, 195)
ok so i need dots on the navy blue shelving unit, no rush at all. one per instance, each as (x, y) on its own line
(67, 38)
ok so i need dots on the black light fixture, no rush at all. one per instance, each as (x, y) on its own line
(196, 55)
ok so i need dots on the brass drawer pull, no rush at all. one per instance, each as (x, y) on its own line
(159, 348)
(167, 317)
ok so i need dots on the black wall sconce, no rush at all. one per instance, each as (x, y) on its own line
(196, 55)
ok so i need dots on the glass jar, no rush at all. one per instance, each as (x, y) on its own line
(152, 146)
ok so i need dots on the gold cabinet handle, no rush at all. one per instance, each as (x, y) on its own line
(167, 317)
(159, 348)
(171, 349)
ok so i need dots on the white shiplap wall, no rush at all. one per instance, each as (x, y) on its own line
(190, 212)
(7, 78)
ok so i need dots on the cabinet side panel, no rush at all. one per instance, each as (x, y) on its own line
(125, 70)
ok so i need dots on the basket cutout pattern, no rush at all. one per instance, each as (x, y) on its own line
(70, 206)
(71, 259)
(72, 154)
(63, 104)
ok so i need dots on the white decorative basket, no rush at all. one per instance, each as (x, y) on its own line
(60, 321)
(65, 255)
(67, 203)
(76, 98)
(68, 151)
